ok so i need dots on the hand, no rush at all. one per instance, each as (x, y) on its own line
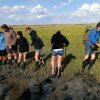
(98, 45)
(10, 47)
(64, 45)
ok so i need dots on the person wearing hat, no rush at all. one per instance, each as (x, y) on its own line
(10, 38)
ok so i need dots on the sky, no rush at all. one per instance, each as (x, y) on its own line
(41, 12)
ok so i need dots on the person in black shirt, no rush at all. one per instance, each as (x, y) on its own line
(23, 47)
(38, 45)
(58, 42)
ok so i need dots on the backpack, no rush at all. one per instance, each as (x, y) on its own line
(85, 35)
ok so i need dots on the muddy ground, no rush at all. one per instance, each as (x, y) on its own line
(34, 87)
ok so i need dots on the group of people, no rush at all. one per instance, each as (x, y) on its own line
(14, 44)
(10, 44)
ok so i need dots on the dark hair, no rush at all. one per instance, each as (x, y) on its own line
(28, 28)
(98, 24)
(20, 33)
(11, 28)
(4, 26)
(87, 30)
(58, 32)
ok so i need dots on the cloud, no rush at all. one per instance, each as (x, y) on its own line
(60, 5)
(95, 8)
(70, 1)
(22, 12)
(87, 9)
(14, 17)
(39, 14)
(38, 10)
(67, 2)
(16, 7)
(11, 9)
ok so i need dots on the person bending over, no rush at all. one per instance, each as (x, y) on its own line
(38, 45)
(23, 48)
(91, 46)
(11, 47)
(58, 42)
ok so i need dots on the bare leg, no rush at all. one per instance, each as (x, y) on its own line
(93, 56)
(3, 58)
(15, 56)
(9, 60)
(59, 65)
(86, 57)
(9, 56)
(24, 56)
(20, 56)
(37, 56)
(53, 64)
(0, 58)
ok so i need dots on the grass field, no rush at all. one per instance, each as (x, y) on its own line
(76, 48)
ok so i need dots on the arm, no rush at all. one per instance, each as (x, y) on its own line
(52, 40)
(13, 34)
(98, 45)
(66, 42)
(92, 38)
(33, 37)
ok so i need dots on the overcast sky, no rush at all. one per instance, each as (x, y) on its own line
(17, 12)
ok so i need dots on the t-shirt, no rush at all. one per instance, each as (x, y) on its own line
(2, 41)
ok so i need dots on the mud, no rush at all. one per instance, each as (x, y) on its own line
(79, 87)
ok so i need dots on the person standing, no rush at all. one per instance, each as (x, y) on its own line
(38, 45)
(11, 47)
(91, 47)
(3, 52)
(58, 42)
(23, 48)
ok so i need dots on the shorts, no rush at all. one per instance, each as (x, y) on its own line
(59, 53)
(23, 51)
(38, 50)
(3, 52)
(12, 50)
(89, 50)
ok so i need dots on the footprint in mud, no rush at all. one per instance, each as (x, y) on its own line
(2, 77)
(4, 91)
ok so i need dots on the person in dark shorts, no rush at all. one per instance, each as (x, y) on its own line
(58, 42)
(38, 45)
(11, 46)
(23, 47)
(3, 52)
(91, 47)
